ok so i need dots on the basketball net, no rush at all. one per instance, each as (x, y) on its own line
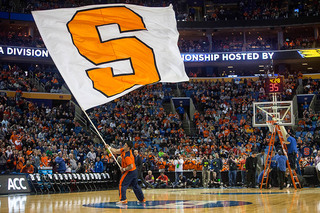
(271, 125)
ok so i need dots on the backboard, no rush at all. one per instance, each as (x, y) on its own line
(280, 111)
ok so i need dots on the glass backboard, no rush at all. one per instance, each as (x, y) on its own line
(280, 111)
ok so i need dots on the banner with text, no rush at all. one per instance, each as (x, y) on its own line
(10, 184)
(212, 57)
(24, 51)
(42, 53)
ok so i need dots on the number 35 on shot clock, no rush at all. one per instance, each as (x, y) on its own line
(274, 85)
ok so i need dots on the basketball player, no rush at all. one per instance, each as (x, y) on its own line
(129, 173)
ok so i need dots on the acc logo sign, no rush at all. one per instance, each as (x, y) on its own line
(85, 23)
(16, 184)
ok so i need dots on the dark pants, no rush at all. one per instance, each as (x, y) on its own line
(129, 178)
(177, 174)
(281, 176)
(251, 181)
(140, 176)
(194, 184)
(218, 174)
(273, 175)
(232, 177)
(243, 176)
(3, 167)
(292, 157)
(159, 184)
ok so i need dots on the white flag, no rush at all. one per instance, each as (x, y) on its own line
(105, 51)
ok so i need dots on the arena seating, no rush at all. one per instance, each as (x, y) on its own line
(221, 124)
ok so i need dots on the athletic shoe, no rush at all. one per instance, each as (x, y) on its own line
(143, 201)
(122, 202)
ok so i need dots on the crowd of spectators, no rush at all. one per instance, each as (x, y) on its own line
(196, 45)
(300, 43)
(193, 45)
(236, 44)
(28, 6)
(141, 117)
(13, 38)
(219, 44)
(15, 79)
(37, 135)
(260, 10)
(25, 79)
(49, 78)
(311, 86)
(34, 136)
(44, 137)
(245, 10)
(225, 111)
(307, 133)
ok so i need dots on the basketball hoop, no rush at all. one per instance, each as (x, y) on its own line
(279, 111)
(271, 125)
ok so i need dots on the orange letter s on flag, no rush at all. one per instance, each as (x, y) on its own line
(86, 37)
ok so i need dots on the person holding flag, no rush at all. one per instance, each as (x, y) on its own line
(99, 70)
(129, 173)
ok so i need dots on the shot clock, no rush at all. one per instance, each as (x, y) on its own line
(274, 85)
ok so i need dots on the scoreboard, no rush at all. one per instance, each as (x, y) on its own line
(274, 85)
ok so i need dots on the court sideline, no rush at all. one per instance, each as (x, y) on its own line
(170, 200)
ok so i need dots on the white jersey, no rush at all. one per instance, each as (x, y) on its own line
(178, 165)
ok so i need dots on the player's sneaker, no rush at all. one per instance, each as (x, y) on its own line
(143, 201)
(122, 202)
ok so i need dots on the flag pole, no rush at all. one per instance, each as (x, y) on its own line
(95, 128)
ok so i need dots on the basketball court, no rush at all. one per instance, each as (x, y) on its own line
(170, 200)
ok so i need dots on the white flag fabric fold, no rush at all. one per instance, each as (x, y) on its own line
(105, 51)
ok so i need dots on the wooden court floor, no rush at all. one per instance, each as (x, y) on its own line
(170, 200)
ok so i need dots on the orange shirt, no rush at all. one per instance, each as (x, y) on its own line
(252, 138)
(161, 165)
(13, 138)
(196, 115)
(54, 81)
(248, 147)
(188, 149)
(18, 145)
(137, 138)
(243, 165)
(127, 159)
(105, 158)
(299, 141)
(192, 165)
(171, 167)
(136, 145)
(226, 132)
(44, 161)
(205, 133)
(28, 170)
(199, 166)
(186, 165)
(20, 163)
